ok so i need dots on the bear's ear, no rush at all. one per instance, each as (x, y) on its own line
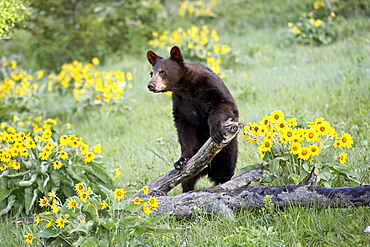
(152, 57)
(176, 55)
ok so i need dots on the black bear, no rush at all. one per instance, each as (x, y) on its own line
(201, 105)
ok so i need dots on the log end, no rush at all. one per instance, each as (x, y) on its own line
(312, 179)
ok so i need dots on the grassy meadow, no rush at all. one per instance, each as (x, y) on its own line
(263, 74)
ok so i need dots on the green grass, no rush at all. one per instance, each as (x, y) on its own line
(295, 226)
(304, 82)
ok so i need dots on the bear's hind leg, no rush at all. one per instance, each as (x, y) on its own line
(189, 184)
(223, 164)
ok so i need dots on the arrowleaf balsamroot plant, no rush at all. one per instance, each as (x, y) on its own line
(197, 9)
(289, 152)
(199, 43)
(85, 219)
(88, 85)
(35, 159)
(315, 27)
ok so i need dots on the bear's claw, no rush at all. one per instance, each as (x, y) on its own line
(180, 163)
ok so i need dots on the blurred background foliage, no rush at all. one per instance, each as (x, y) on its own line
(61, 31)
(11, 13)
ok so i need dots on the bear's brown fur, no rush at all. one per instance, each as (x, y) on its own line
(201, 105)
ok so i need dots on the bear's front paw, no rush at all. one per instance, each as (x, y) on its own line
(180, 163)
(218, 135)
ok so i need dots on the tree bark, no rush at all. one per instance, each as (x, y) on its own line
(223, 199)
(236, 193)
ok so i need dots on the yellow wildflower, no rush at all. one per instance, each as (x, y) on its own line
(49, 224)
(43, 201)
(72, 204)
(95, 61)
(276, 116)
(116, 173)
(28, 237)
(153, 203)
(304, 153)
(97, 148)
(104, 205)
(146, 208)
(80, 187)
(57, 164)
(314, 149)
(63, 154)
(346, 140)
(60, 222)
(146, 190)
(119, 194)
(137, 200)
(342, 157)
(83, 196)
(89, 157)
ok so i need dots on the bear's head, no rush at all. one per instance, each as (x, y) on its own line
(167, 72)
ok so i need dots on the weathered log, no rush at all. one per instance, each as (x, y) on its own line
(224, 200)
(163, 184)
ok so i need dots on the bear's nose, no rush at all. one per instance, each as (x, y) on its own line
(151, 86)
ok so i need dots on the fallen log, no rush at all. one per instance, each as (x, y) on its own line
(236, 193)
(225, 200)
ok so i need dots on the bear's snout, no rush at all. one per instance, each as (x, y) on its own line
(151, 86)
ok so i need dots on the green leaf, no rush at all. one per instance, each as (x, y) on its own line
(276, 152)
(133, 208)
(100, 172)
(151, 221)
(90, 242)
(149, 225)
(324, 173)
(103, 242)
(296, 178)
(344, 171)
(56, 177)
(91, 211)
(4, 191)
(4, 173)
(109, 223)
(11, 202)
(30, 196)
(46, 181)
(29, 182)
(83, 227)
(306, 167)
(49, 232)
(286, 157)
(44, 168)
(275, 166)
(74, 175)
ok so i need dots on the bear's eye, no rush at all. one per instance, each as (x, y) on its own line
(151, 74)
(162, 72)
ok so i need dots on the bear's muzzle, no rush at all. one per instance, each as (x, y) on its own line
(151, 86)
